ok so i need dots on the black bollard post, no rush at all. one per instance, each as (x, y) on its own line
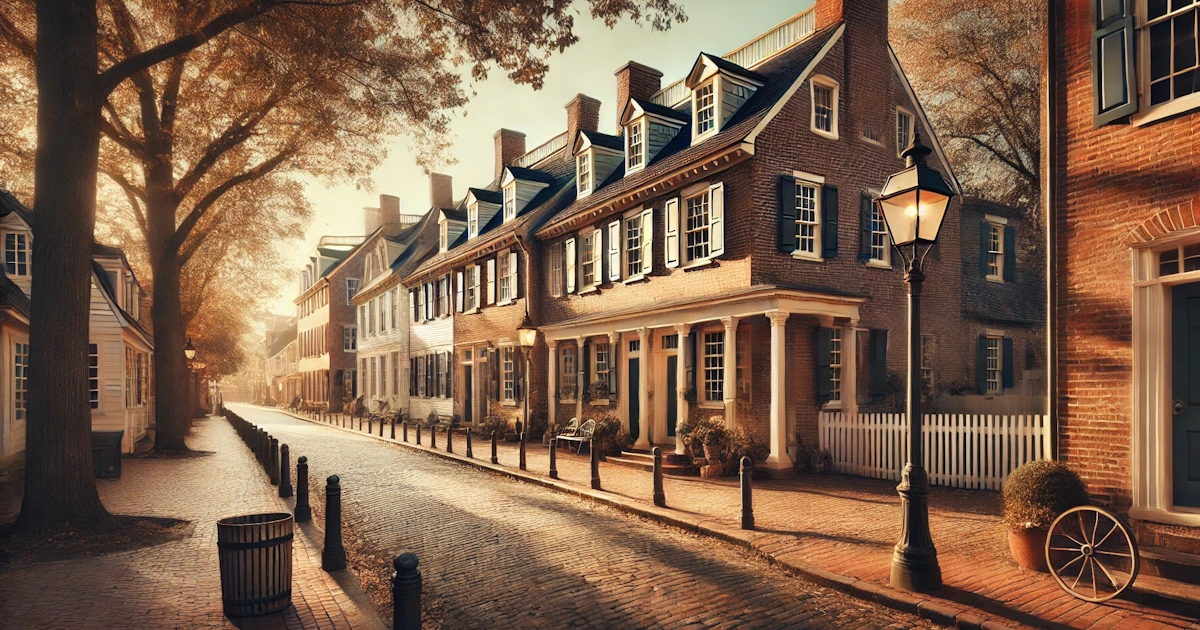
(449, 439)
(285, 473)
(303, 512)
(381, 427)
(258, 445)
(747, 510)
(433, 436)
(406, 593)
(470, 455)
(660, 498)
(495, 436)
(273, 466)
(370, 422)
(521, 465)
(393, 427)
(333, 557)
(418, 434)
(595, 455)
(404, 426)
(553, 458)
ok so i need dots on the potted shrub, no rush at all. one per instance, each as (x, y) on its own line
(598, 392)
(716, 438)
(1033, 496)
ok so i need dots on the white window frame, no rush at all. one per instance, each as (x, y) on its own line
(633, 269)
(904, 131)
(687, 230)
(614, 250)
(815, 223)
(635, 151)
(20, 378)
(1148, 113)
(569, 362)
(473, 220)
(94, 375)
(506, 290)
(995, 252)
(443, 288)
(443, 236)
(472, 303)
(510, 201)
(602, 364)
(569, 262)
(714, 94)
(583, 174)
(589, 261)
(835, 368)
(26, 249)
(350, 338)
(833, 87)
(508, 374)
(557, 279)
(994, 364)
(351, 292)
(879, 232)
(714, 367)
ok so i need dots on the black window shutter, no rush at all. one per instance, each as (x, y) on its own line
(412, 376)
(1007, 363)
(449, 374)
(697, 360)
(1114, 83)
(864, 227)
(1010, 253)
(586, 365)
(824, 384)
(787, 214)
(829, 222)
(981, 365)
(518, 368)
(614, 352)
(878, 365)
(985, 232)
(494, 360)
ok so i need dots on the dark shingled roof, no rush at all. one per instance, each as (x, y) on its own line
(455, 215)
(779, 72)
(490, 196)
(604, 140)
(530, 175)
(11, 296)
(422, 241)
(9, 204)
(651, 107)
(733, 68)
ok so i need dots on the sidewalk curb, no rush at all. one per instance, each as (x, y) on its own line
(936, 609)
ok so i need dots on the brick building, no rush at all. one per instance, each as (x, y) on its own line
(1125, 106)
(324, 308)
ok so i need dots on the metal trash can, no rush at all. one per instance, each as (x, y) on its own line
(106, 453)
(256, 563)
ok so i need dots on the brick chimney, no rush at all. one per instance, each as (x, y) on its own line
(635, 81)
(510, 145)
(441, 191)
(389, 214)
(583, 113)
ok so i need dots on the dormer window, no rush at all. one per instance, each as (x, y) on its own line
(583, 175)
(473, 221)
(636, 149)
(16, 253)
(510, 202)
(444, 236)
(705, 106)
(824, 106)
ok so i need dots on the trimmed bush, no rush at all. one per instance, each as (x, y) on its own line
(1037, 492)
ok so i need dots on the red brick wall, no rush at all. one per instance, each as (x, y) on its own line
(635, 80)
(1111, 180)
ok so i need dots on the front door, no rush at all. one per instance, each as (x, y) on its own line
(634, 389)
(672, 397)
(468, 407)
(1185, 394)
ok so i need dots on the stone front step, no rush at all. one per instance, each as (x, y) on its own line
(645, 461)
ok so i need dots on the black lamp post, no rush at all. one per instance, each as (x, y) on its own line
(189, 351)
(913, 204)
(526, 336)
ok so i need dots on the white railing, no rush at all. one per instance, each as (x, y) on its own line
(672, 95)
(544, 151)
(960, 451)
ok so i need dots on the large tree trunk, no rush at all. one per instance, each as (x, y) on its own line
(60, 486)
(174, 406)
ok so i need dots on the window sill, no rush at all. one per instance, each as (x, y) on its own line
(567, 401)
(833, 405)
(697, 139)
(509, 403)
(504, 302)
(831, 135)
(698, 264)
(641, 277)
(879, 264)
(600, 403)
(809, 257)
(592, 289)
(1167, 110)
(712, 405)
(871, 141)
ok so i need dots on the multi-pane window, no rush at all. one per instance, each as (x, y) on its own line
(1168, 261)
(396, 372)
(670, 342)
(583, 174)
(506, 284)
(507, 372)
(383, 315)
(443, 236)
(927, 362)
(394, 299)
(714, 366)
(444, 295)
(633, 245)
(1174, 62)
(129, 376)
(705, 109)
(602, 363)
(995, 252)
(21, 377)
(589, 262)
(351, 289)
(808, 220)
(995, 367)
(421, 365)
(93, 376)
(822, 96)
(510, 201)
(879, 235)
(16, 254)
(371, 318)
(835, 364)
(556, 272)
(472, 221)
(350, 339)
(697, 227)
(904, 129)
(472, 287)
(570, 373)
(637, 146)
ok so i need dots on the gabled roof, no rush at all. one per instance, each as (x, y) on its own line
(101, 276)
(11, 296)
(282, 341)
(423, 242)
(487, 196)
(527, 175)
(780, 73)
(454, 215)
(9, 205)
(723, 65)
(637, 106)
(597, 139)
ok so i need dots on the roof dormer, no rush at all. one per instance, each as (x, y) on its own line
(719, 87)
(451, 225)
(648, 128)
(597, 155)
(519, 186)
(482, 205)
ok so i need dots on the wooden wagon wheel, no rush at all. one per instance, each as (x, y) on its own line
(1092, 554)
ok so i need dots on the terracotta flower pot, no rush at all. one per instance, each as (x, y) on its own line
(1028, 548)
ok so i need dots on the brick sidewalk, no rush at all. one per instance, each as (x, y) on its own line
(841, 531)
(177, 584)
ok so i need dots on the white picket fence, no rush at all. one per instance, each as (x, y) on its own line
(960, 450)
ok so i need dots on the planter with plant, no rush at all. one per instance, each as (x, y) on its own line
(431, 420)
(492, 424)
(1033, 496)
(609, 436)
(598, 393)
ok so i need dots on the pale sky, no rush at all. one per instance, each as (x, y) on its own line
(715, 26)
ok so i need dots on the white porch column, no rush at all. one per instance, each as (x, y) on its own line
(850, 369)
(552, 380)
(579, 384)
(729, 387)
(643, 393)
(681, 385)
(778, 458)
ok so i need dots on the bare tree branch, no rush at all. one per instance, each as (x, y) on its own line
(202, 206)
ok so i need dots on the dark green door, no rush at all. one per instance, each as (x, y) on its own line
(672, 398)
(635, 409)
(1185, 394)
(468, 402)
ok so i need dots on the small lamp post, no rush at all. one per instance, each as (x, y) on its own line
(913, 204)
(189, 351)
(526, 336)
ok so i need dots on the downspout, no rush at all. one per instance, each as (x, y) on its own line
(1050, 157)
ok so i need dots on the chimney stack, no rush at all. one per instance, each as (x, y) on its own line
(389, 214)
(441, 191)
(635, 81)
(583, 114)
(510, 145)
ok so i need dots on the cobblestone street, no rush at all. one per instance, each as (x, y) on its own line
(505, 554)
